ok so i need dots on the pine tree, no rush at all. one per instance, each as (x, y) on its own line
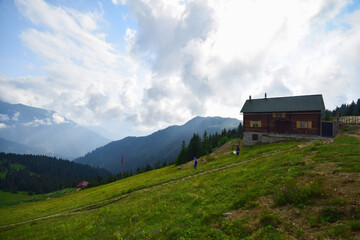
(148, 168)
(157, 164)
(358, 107)
(183, 155)
(194, 149)
(240, 130)
(350, 111)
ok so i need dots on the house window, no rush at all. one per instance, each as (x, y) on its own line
(303, 124)
(279, 115)
(255, 123)
(255, 137)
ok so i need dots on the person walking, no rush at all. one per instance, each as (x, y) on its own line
(237, 150)
(195, 163)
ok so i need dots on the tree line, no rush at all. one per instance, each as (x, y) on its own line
(100, 180)
(41, 174)
(352, 109)
(149, 167)
(202, 146)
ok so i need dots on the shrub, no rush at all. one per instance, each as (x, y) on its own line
(330, 214)
(299, 232)
(293, 193)
(355, 225)
(243, 200)
(223, 140)
(251, 204)
(314, 221)
(268, 232)
(315, 146)
(339, 202)
(269, 219)
(339, 231)
(356, 214)
(236, 229)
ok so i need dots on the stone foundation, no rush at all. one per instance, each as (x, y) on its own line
(251, 138)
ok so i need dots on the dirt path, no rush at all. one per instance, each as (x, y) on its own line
(107, 202)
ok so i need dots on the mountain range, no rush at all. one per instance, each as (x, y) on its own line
(29, 130)
(161, 146)
(25, 129)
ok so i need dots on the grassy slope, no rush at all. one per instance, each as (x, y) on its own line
(272, 191)
(8, 199)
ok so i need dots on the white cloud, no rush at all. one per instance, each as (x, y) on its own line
(57, 119)
(38, 122)
(242, 48)
(3, 125)
(130, 38)
(16, 116)
(87, 80)
(117, 2)
(187, 58)
(4, 117)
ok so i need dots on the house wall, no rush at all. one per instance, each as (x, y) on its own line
(314, 118)
(248, 118)
(284, 123)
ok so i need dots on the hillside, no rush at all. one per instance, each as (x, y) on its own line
(25, 129)
(42, 174)
(161, 146)
(297, 189)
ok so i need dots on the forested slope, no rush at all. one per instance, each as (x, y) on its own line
(42, 174)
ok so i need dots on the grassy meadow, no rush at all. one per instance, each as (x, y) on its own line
(297, 189)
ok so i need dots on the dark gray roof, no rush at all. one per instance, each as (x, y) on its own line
(285, 104)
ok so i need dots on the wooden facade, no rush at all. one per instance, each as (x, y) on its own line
(297, 115)
(306, 123)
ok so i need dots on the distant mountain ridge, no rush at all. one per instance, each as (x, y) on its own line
(25, 129)
(163, 145)
(13, 147)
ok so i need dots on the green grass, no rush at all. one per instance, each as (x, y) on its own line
(9, 199)
(338, 232)
(330, 214)
(299, 195)
(137, 182)
(186, 204)
(355, 225)
(344, 150)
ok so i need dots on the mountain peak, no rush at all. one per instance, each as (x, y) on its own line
(44, 130)
(163, 145)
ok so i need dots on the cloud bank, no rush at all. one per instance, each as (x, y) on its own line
(187, 58)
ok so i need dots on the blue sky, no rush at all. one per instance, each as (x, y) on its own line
(133, 67)
(16, 58)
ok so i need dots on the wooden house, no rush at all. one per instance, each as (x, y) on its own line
(298, 115)
(82, 185)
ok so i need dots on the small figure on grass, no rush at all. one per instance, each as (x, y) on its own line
(237, 150)
(195, 163)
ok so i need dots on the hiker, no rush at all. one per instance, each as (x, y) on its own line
(237, 150)
(195, 163)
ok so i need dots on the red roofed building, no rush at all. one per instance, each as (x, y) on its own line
(82, 184)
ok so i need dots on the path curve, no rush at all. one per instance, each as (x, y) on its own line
(112, 200)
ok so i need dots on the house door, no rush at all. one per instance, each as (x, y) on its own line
(282, 126)
(327, 129)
